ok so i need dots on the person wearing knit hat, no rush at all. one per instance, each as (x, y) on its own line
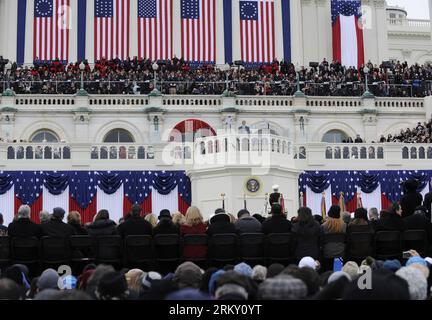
(231, 291)
(274, 269)
(308, 262)
(393, 265)
(416, 259)
(212, 282)
(417, 282)
(188, 275)
(244, 269)
(48, 280)
(352, 269)
(83, 279)
(336, 275)
(282, 287)
(112, 286)
(259, 273)
(147, 280)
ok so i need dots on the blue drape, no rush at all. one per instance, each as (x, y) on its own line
(56, 182)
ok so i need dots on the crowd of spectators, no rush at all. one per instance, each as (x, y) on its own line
(422, 133)
(308, 276)
(133, 76)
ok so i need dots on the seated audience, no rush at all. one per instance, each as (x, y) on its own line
(102, 225)
(135, 225)
(194, 224)
(166, 225)
(391, 220)
(360, 222)
(44, 216)
(23, 227)
(178, 218)
(333, 224)
(246, 223)
(306, 235)
(277, 223)
(56, 227)
(152, 218)
(418, 221)
(220, 223)
(74, 220)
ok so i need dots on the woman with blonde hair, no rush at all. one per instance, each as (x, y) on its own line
(178, 218)
(74, 220)
(134, 279)
(334, 224)
(152, 219)
(194, 224)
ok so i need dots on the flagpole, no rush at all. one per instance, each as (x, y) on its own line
(265, 203)
(223, 200)
(244, 201)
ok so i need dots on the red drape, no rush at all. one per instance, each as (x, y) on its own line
(182, 205)
(36, 207)
(146, 205)
(88, 213)
(385, 202)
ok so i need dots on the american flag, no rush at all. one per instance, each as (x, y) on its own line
(348, 45)
(112, 26)
(155, 29)
(83, 187)
(51, 30)
(28, 186)
(198, 24)
(257, 30)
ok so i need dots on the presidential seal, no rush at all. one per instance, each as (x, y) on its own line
(253, 185)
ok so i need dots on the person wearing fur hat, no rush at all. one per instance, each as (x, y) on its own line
(417, 282)
(411, 198)
(165, 225)
(220, 223)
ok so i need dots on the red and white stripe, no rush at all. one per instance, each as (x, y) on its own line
(51, 34)
(199, 35)
(111, 38)
(155, 34)
(257, 37)
(348, 45)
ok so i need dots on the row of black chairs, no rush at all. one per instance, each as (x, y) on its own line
(222, 249)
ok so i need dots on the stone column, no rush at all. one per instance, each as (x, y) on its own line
(296, 32)
(82, 123)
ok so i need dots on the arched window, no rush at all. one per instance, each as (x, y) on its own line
(44, 136)
(118, 136)
(334, 136)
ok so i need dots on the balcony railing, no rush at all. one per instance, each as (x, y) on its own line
(417, 23)
(249, 150)
(36, 151)
(121, 152)
(137, 91)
